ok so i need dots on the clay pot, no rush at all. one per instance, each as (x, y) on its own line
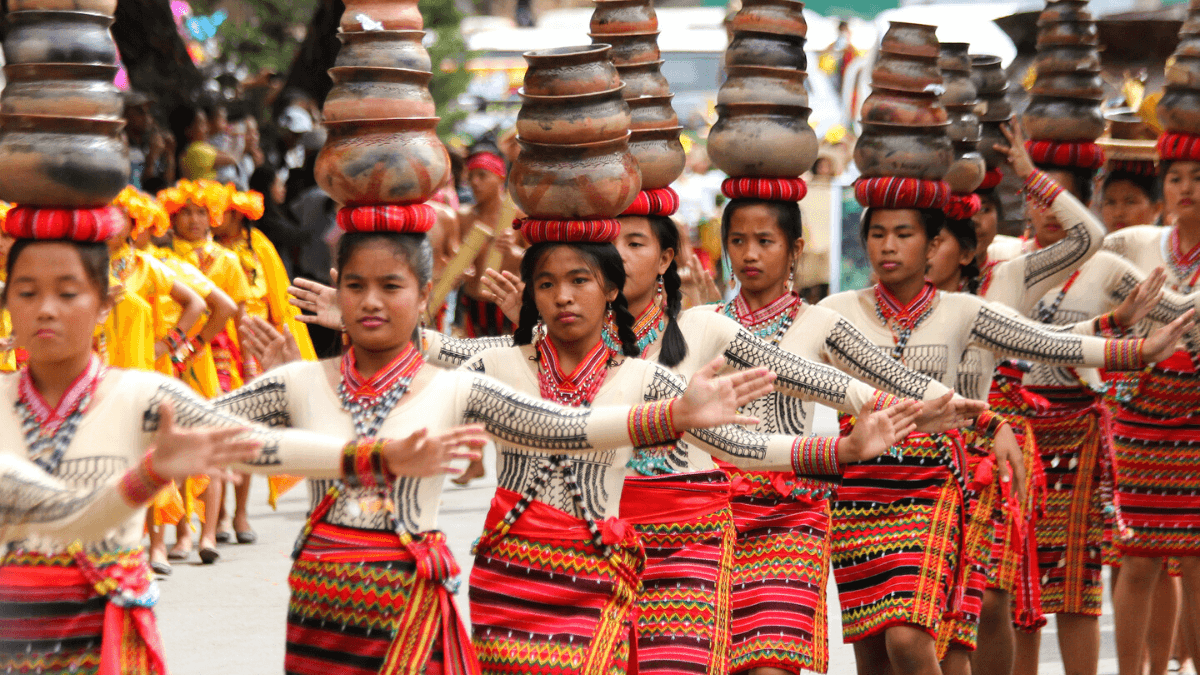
(584, 181)
(383, 49)
(955, 56)
(97, 6)
(623, 16)
(1126, 124)
(1064, 11)
(766, 49)
(652, 112)
(990, 137)
(62, 89)
(1188, 46)
(885, 150)
(996, 108)
(781, 17)
(570, 71)
(762, 140)
(382, 161)
(642, 80)
(1179, 110)
(586, 118)
(377, 93)
(988, 74)
(885, 106)
(1067, 34)
(910, 39)
(659, 154)
(966, 171)
(1067, 60)
(905, 73)
(60, 37)
(1063, 119)
(1069, 85)
(965, 126)
(630, 49)
(62, 161)
(760, 84)
(363, 15)
(957, 88)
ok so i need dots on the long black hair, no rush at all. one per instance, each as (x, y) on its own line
(601, 256)
(674, 346)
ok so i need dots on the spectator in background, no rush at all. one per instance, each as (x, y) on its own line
(199, 159)
(317, 216)
(151, 150)
(296, 147)
(280, 226)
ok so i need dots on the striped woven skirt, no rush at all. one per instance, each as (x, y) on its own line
(687, 531)
(1157, 439)
(1070, 529)
(53, 619)
(897, 537)
(545, 601)
(366, 602)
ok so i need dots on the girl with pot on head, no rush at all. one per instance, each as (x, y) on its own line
(1130, 195)
(384, 383)
(895, 620)
(85, 605)
(583, 337)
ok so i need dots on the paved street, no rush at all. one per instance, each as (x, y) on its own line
(229, 617)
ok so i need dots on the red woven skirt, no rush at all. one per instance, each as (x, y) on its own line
(780, 573)
(1157, 438)
(545, 601)
(687, 531)
(897, 537)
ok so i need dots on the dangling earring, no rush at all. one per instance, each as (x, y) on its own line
(791, 284)
(660, 297)
(610, 326)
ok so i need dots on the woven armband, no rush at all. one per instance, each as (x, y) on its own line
(882, 399)
(1108, 326)
(816, 456)
(988, 423)
(362, 464)
(139, 485)
(1041, 190)
(652, 424)
(1124, 354)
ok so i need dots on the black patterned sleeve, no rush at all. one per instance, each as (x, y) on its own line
(852, 352)
(1050, 267)
(1000, 331)
(448, 352)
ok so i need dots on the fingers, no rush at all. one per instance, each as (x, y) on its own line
(754, 375)
(905, 432)
(752, 394)
(470, 455)
(166, 417)
(745, 420)
(710, 369)
(1005, 472)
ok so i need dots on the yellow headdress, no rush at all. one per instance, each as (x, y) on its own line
(209, 194)
(145, 212)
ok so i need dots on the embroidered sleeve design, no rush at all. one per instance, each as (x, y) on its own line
(797, 376)
(525, 421)
(871, 364)
(1013, 338)
(29, 495)
(262, 402)
(1060, 257)
(453, 352)
(1170, 307)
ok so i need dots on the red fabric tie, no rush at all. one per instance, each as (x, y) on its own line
(1175, 147)
(891, 192)
(414, 218)
(656, 202)
(1070, 154)
(963, 206)
(488, 161)
(538, 231)
(991, 179)
(771, 189)
(87, 225)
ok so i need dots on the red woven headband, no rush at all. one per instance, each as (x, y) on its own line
(85, 225)
(403, 218)
(991, 179)
(656, 202)
(963, 206)
(597, 231)
(891, 192)
(1069, 154)
(1175, 147)
(488, 161)
(771, 189)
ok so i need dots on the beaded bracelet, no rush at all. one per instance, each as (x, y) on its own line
(1041, 190)
(1108, 326)
(362, 464)
(816, 456)
(141, 483)
(652, 424)
(1124, 354)
(175, 339)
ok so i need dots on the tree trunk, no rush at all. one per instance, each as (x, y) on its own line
(317, 52)
(154, 53)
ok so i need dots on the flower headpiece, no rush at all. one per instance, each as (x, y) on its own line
(144, 211)
(209, 194)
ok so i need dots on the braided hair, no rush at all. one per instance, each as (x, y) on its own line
(601, 256)
(674, 346)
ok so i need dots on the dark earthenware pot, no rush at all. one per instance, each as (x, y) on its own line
(62, 161)
(630, 49)
(1179, 110)
(586, 118)
(570, 71)
(62, 89)
(905, 73)
(996, 108)
(377, 93)
(760, 84)
(957, 88)
(383, 49)
(644, 80)
(1067, 60)
(1064, 12)
(652, 112)
(382, 161)
(762, 140)
(966, 171)
(897, 151)
(964, 124)
(1063, 119)
(659, 155)
(781, 17)
(1067, 34)
(912, 39)
(365, 15)
(585, 181)
(1188, 46)
(988, 74)
(60, 37)
(1069, 85)
(991, 136)
(96, 6)
(623, 16)
(766, 49)
(886, 106)
(955, 56)
(1126, 124)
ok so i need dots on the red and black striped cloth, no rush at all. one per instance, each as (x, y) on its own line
(1179, 147)
(892, 192)
(770, 189)
(85, 225)
(538, 231)
(414, 218)
(1069, 154)
(656, 202)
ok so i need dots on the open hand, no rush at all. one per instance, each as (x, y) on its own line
(1018, 156)
(179, 452)
(505, 289)
(319, 299)
(876, 431)
(948, 412)
(1161, 343)
(268, 346)
(423, 454)
(1141, 300)
(711, 400)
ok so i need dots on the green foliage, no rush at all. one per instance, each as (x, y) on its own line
(268, 39)
(449, 56)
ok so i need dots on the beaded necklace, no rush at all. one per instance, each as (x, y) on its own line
(769, 323)
(647, 328)
(48, 431)
(580, 387)
(123, 263)
(1045, 314)
(1184, 265)
(370, 401)
(903, 319)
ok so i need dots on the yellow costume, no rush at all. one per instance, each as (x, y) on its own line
(126, 338)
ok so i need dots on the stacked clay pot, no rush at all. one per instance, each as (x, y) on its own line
(961, 100)
(991, 83)
(904, 124)
(630, 28)
(382, 146)
(762, 128)
(573, 129)
(1065, 99)
(60, 113)
(1179, 108)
